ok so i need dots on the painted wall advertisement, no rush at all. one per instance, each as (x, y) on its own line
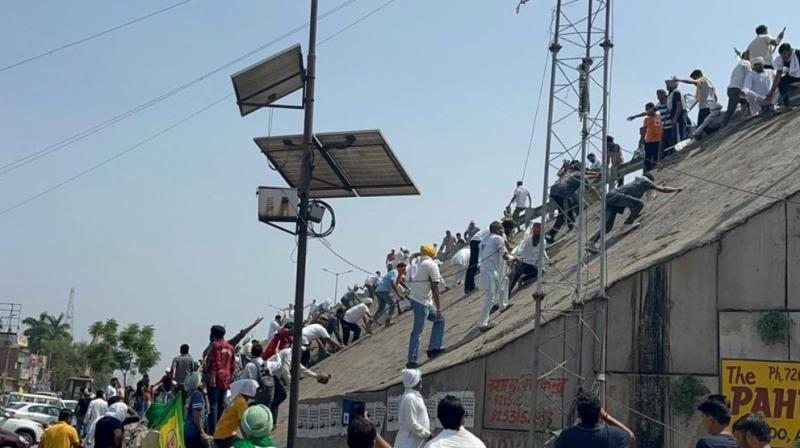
(769, 388)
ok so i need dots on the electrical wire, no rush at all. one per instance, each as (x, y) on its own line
(22, 161)
(93, 36)
(538, 101)
(115, 156)
(152, 137)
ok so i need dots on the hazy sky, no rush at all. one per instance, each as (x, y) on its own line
(167, 234)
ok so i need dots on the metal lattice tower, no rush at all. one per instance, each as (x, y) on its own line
(71, 312)
(577, 124)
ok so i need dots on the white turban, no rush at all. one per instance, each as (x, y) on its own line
(758, 60)
(247, 388)
(411, 377)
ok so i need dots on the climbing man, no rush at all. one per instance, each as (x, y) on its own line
(629, 196)
(522, 201)
(561, 194)
(493, 280)
(787, 73)
(528, 271)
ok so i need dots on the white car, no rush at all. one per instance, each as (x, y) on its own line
(70, 404)
(43, 413)
(29, 430)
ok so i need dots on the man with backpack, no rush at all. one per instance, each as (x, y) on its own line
(256, 370)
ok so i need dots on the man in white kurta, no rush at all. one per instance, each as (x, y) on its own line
(413, 420)
(493, 279)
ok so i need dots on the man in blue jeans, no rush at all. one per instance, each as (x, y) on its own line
(426, 305)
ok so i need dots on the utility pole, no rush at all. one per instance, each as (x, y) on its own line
(306, 173)
(336, 288)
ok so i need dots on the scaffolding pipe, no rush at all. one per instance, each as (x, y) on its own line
(539, 295)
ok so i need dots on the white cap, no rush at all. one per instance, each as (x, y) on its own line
(758, 60)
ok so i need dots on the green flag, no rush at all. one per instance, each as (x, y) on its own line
(170, 424)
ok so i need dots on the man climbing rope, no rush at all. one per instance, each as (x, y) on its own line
(629, 196)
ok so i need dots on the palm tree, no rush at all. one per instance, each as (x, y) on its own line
(46, 328)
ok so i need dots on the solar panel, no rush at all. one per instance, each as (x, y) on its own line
(267, 81)
(346, 164)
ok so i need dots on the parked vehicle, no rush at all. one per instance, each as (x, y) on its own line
(16, 397)
(29, 430)
(70, 404)
(42, 413)
(10, 440)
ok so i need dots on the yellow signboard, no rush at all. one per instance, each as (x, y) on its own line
(768, 388)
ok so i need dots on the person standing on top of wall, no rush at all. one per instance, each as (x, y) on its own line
(614, 160)
(716, 417)
(522, 201)
(763, 45)
(590, 432)
(676, 111)
(426, 305)
(704, 94)
(738, 76)
(448, 247)
(494, 281)
(474, 259)
(653, 133)
(383, 292)
(472, 229)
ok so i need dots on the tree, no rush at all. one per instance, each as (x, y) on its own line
(100, 352)
(129, 350)
(67, 360)
(46, 328)
(136, 350)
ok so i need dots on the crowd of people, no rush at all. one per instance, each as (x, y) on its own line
(234, 391)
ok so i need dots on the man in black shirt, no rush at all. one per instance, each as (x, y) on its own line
(716, 417)
(590, 433)
(82, 408)
(629, 196)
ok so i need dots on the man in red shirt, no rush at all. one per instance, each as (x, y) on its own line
(281, 340)
(218, 367)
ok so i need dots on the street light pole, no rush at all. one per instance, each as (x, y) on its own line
(302, 225)
(336, 288)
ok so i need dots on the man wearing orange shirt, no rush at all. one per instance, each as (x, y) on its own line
(653, 132)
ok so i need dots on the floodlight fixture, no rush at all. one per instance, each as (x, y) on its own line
(265, 82)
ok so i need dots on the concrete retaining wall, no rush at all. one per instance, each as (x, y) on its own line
(673, 320)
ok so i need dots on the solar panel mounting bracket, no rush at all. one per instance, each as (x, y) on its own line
(302, 106)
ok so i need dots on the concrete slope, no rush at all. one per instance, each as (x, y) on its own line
(758, 156)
